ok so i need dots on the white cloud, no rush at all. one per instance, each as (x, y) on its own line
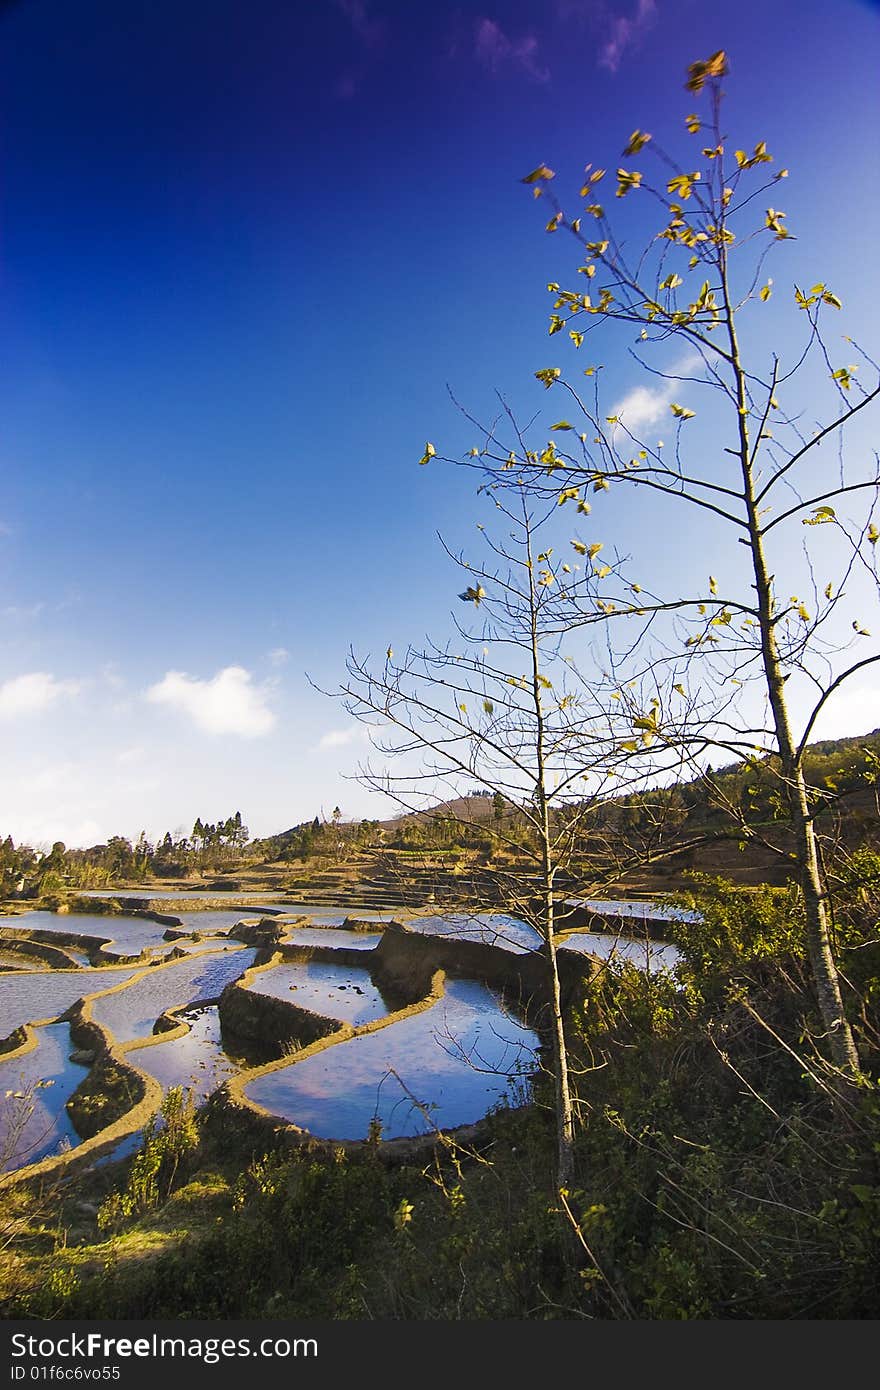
(647, 405)
(496, 51)
(33, 693)
(23, 612)
(278, 656)
(339, 738)
(131, 755)
(643, 406)
(229, 703)
(41, 832)
(625, 32)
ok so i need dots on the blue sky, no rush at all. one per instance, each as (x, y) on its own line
(243, 251)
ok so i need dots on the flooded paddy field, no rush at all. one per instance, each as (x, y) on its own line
(647, 954)
(217, 919)
(303, 935)
(445, 1066)
(198, 1061)
(335, 991)
(34, 1089)
(26, 997)
(131, 1013)
(128, 936)
(487, 928)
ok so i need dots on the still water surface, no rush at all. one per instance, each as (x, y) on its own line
(132, 1012)
(27, 997)
(332, 936)
(33, 1120)
(199, 1061)
(334, 991)
(456, 1059)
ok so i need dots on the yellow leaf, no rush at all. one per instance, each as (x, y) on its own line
(766, 291)
(637, 141)
(683, 184)
(539, 175)
(773, 223)
(429, 453)
(843, 375)
(626, 181)
(548, 375)
(716, 66)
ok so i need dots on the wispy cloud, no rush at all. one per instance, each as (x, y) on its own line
(33, 693)
(647, 405)
(24, 612)
(278, 656)
(229, 703)
(624, 32)
(132, 755)
(340, 738)
(370, 31)
(496, 51)
(643, 406)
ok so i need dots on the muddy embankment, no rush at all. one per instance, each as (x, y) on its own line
(42, 946)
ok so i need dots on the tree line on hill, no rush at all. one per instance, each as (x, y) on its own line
(733, 801)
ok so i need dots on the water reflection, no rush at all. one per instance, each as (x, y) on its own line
(33, 1092)
(647, 954)
(445, 1066)
(334, 991)
(132, 1012)
(332, 936)
(488, 928)
(197, 1061)
(27, 997)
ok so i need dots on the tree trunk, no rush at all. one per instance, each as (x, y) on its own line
(826, 980)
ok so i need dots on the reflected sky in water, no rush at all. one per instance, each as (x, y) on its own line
(132, 1012)
(33, 1120)
(455, 1059)
(334, 991)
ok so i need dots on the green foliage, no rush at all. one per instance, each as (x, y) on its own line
(171, 1136)
(734, 930)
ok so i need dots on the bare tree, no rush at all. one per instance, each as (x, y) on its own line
(776, 623)
(504, 707)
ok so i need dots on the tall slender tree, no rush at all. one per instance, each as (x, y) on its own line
(770, 633)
